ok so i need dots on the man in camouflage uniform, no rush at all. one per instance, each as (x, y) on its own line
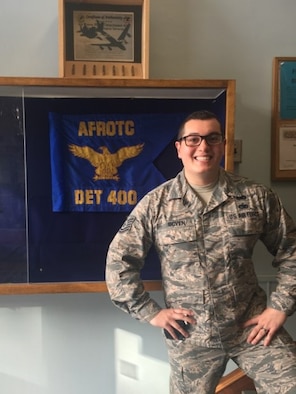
(204, 225)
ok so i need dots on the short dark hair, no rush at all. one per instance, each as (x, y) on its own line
(201, 115)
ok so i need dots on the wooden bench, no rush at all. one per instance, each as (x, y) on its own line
(235, 383)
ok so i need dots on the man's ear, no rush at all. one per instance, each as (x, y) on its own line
(177, 146)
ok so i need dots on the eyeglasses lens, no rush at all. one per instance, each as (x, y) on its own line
(211, 139)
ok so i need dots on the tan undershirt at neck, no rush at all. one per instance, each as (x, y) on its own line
(204, 192)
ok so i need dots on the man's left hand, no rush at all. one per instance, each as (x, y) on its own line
(265, 326)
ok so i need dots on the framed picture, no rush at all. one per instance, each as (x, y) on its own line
(283, 143)
(104, 38)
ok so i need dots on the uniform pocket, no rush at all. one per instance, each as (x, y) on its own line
(178, 245)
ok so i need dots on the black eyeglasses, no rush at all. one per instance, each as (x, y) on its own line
(196, 139)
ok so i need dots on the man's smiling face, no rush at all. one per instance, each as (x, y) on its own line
(201, 163)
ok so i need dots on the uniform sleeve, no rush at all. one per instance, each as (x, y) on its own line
(125, 259)
(280, 239)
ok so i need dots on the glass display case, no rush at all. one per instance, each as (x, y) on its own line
(54, 247)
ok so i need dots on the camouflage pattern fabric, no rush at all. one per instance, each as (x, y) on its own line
(197, 370)
(206, 256)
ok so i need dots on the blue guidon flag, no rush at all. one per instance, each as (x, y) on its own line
(104, 163)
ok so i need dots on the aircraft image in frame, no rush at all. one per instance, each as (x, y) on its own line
(98, 31)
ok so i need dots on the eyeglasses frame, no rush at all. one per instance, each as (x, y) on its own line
(203, 137)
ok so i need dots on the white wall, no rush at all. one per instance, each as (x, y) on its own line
(66, 344)
(77, 344)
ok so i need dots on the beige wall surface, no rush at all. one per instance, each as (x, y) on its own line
(71, 344)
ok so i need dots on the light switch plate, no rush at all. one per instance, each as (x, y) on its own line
(237, 155)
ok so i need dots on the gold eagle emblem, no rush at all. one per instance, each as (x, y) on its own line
(106, 163)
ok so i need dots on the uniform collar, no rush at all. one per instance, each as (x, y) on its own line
(225, 189)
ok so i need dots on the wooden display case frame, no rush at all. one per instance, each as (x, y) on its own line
(81, 87)
(136, 67)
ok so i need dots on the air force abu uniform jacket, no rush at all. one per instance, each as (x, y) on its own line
(205, 254)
